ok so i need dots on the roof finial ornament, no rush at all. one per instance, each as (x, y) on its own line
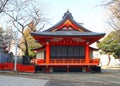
(67, 14)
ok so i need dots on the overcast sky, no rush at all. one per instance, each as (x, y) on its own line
(88, 12)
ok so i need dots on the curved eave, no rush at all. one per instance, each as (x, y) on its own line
(67, 33)
(88, 36)
(80, 26)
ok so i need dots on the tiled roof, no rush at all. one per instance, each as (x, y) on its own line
(67, 16)
(67, 33)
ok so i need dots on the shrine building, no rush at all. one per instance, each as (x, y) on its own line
(66, 47)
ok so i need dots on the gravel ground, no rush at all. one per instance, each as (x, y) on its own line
(108, 77)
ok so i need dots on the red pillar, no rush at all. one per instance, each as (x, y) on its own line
(47, 52)
(87, 53)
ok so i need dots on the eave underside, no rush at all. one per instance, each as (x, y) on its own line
(67, 40)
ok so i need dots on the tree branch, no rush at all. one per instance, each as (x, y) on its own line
(3, 4)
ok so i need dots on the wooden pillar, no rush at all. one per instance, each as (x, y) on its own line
(47, 52)
(67, 68)
(87, 69)
(87, 53)
(47, 69)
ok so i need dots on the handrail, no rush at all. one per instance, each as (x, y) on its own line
(94, 60)
(40, 61)
(67, 60)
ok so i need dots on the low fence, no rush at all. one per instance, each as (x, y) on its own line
(26, 68)
(20, 67)
(1, 66)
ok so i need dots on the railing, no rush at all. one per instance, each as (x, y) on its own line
(20, 67)
(67, 60)
(1, 66)
(94, 60)
(41, 61)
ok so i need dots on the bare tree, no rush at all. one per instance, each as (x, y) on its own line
(114, 8)
(21, 13)
(3, 3)
(5, 38)
(1, 39)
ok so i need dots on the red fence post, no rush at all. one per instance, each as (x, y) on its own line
(1, 66)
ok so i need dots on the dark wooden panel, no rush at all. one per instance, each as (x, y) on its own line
(75, 69)
(64, 51)
(70, 52)
(59, 69)
(53, 51)
(67, 52)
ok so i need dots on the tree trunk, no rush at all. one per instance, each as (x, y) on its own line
(26, 48)
(109, 59)
(26, 59)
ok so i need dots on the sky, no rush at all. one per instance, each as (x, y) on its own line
(88, 12)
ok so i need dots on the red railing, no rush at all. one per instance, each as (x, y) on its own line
(67, 61)
(37, 61)
(26, 68)
(8, 66)
(41, 61)
(20, 67)
(94, 60)
(1, 66)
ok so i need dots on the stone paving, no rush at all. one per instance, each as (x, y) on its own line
(20, 81)
(108, 77)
